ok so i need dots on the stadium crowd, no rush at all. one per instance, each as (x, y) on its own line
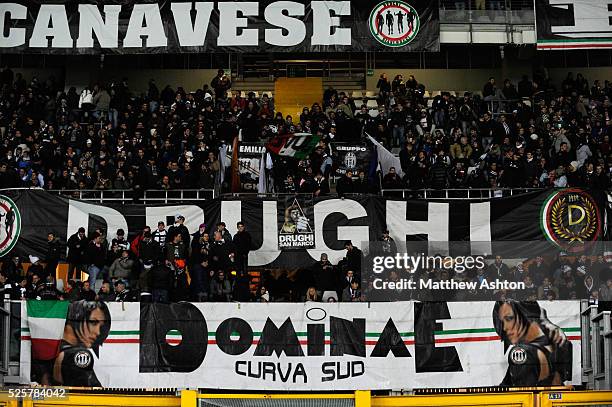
(530, 135)
(174, 264)
(106, 137)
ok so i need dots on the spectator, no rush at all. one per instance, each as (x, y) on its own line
(121, 269)
(96, 256)
(160, 234)
(311, 295)
(106, 293)
(242, 242)
(221, 84)
(351, 293)
(179, 228)
(86, 293)
(220, 288)
(345, 184)
(53, 254)
(77, 246)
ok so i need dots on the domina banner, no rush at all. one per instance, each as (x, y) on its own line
(219, 26)
(300, 347)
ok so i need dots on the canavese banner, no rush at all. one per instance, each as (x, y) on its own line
(297, 347)
(131, 26)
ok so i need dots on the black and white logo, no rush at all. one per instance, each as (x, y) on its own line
(82, 359)
(518, 356)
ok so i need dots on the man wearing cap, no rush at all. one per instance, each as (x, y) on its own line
(179, 228)
(77, 244)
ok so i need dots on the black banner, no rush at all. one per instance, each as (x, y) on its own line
(129, 27)
(564, 218)
(353, 157)
(573, 24)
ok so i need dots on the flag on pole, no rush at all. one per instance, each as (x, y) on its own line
(386, 159)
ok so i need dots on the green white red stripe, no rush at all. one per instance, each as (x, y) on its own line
(440, 337)
(46, 320)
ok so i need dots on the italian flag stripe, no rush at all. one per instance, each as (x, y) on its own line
(46, 320)
(440, 337)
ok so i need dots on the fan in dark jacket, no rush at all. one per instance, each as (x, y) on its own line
(242, 243)
(53, 253)
(77, 245)
(149, 249)
(345, 184)
(438, 174)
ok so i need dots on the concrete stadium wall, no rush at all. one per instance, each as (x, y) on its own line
(41, 73)
(474, 79)
(591, 74)
(138, 79)
(189, 79)
(441, 79)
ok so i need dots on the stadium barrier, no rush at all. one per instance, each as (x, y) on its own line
(596, 327)
(191, 398)
(150, 196)
(456, 193)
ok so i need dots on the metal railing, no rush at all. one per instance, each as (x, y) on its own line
(150, 196)
(5, 336)
(487, 12)
(596, 327)
(456, 193)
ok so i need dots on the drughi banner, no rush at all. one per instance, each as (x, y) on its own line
(298, 347)
(204, 26)
(289, 235)
(573, 24)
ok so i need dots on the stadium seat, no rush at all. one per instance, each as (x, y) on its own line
(429, 102)
(452, 93)
(256, 94)
(229, 94)
(372, 103)
(426, 94)
(371, 94)
(358, 102)
(357, 94)
(373, 112)
(436, 93)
